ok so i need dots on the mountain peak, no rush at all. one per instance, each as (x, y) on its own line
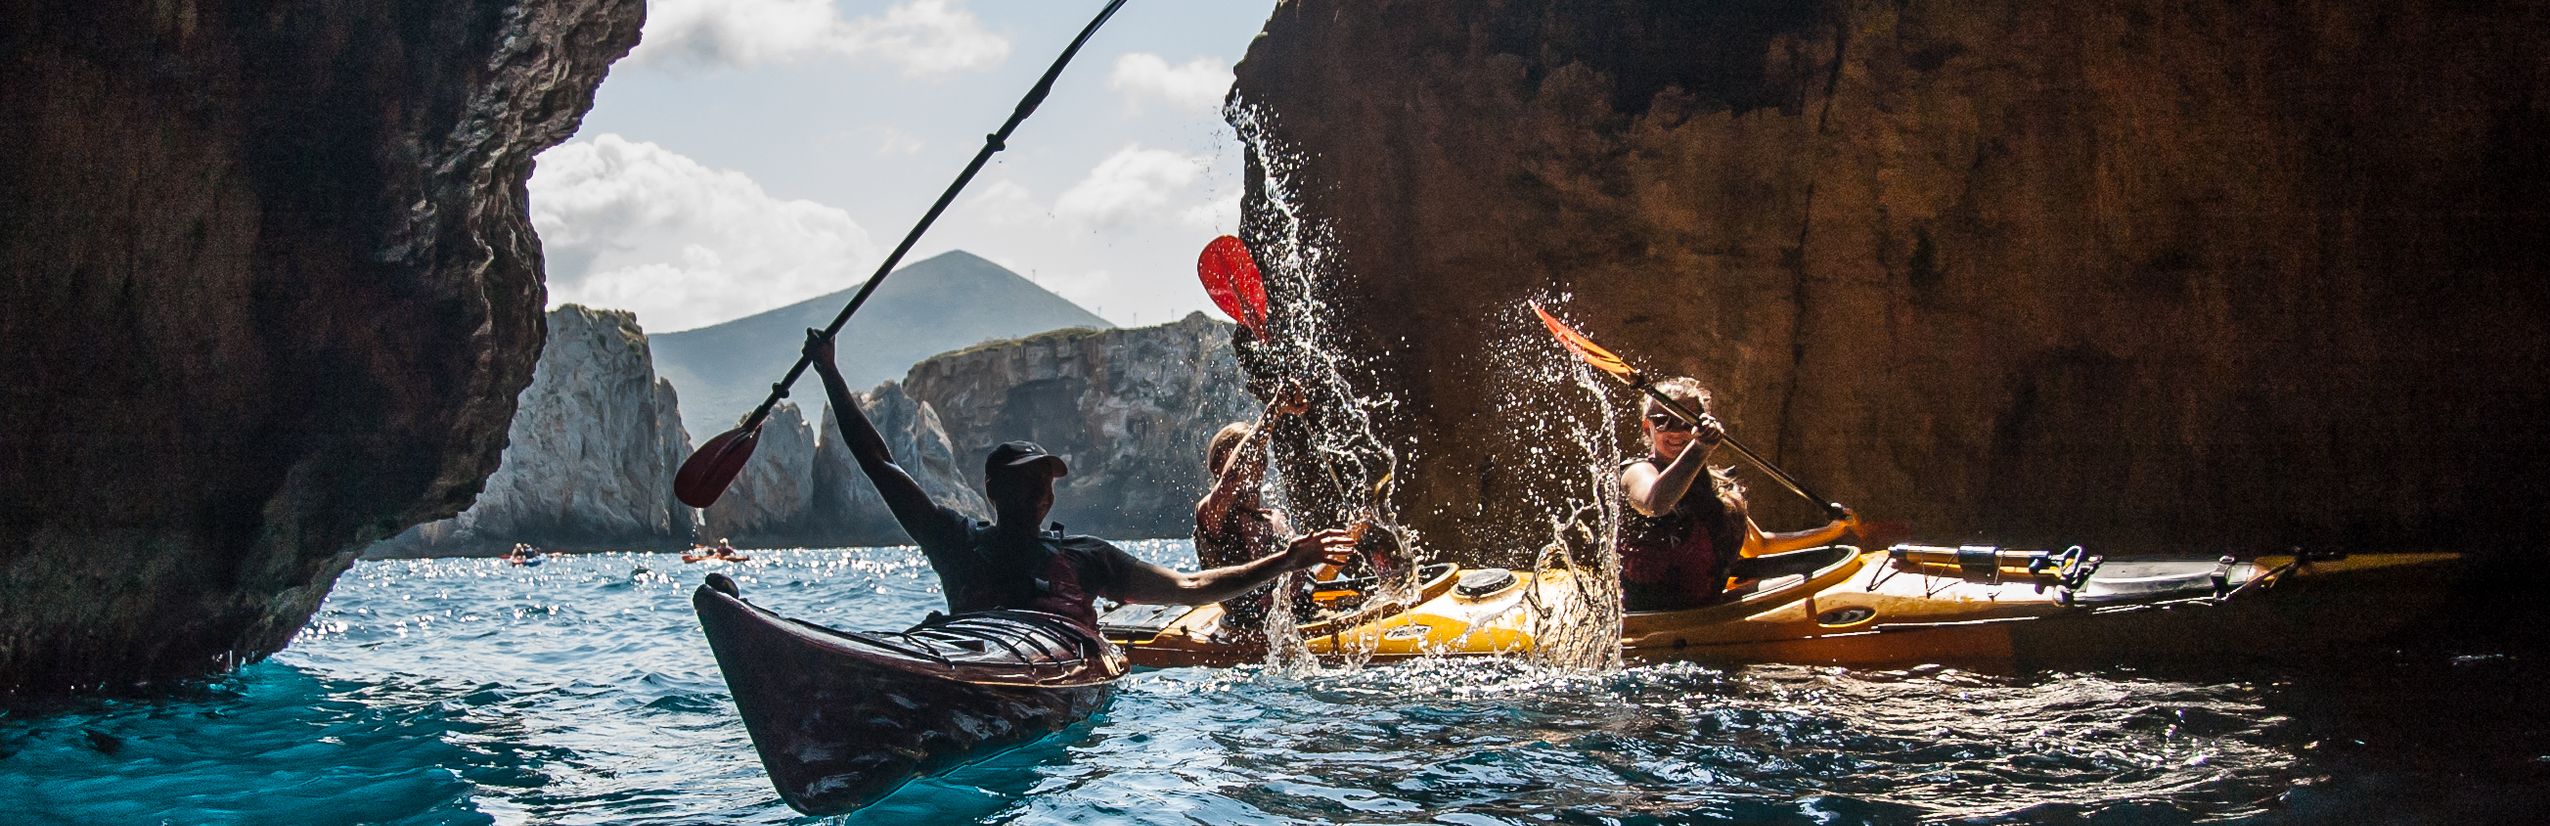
(948, 301)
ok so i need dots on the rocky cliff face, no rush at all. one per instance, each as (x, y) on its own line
(1130, 410)
(589, 459)
(270, 294)
(805, 490)
(768, 503)
(2150, 276)
(847, 509)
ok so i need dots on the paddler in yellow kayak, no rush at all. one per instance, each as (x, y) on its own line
(1233, 523)
(1679, 538)
(1010, 562)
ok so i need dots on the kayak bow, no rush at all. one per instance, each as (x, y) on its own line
(842, 719)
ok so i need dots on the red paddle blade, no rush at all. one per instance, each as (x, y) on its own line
(1585, 348)
(711, 468)
(1230, 276)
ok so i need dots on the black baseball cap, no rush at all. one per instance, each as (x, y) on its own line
(1022, 454)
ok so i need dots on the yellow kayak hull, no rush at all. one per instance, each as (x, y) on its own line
(1865, 609)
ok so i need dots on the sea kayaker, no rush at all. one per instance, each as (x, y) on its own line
(1010, 562)
(1232, 522)
(1679, 538)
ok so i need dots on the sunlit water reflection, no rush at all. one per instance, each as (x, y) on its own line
(580, 691)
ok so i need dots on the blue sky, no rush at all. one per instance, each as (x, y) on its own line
(754, 153)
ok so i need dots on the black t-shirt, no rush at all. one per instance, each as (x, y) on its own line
(981, 571)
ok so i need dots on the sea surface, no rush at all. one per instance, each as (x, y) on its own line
(580, 691)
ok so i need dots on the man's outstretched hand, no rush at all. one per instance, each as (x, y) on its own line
(1334, 546)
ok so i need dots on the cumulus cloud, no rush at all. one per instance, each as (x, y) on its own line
(919, 37)
(1198, 83)
(632, 225)
(1219, 216)
(1004, 203)
(1132, 184)
(892, 141)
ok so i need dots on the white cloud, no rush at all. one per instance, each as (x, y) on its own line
(631, 225)
(919, 37)
(927, 37)
(1220, 216)
(892, 141)
(1199, 83)
(1134, 183)
(1005, 203)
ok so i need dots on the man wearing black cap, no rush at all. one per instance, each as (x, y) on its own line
(1011, 562)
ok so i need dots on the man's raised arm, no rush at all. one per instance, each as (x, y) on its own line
(911, 506)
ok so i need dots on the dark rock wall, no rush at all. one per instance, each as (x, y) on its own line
(589, 459)
(269, 295)
(1130, 410)
(2153, 276)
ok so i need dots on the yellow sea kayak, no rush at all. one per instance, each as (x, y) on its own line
(1903, 605)
(1168, 636)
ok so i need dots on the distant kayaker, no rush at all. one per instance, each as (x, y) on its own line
(1011, 562)
(1232, 522)
(1677, 543)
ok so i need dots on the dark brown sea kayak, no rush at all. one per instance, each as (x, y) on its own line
(842, 719)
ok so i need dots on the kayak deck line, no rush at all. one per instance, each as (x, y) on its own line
(1842, 605)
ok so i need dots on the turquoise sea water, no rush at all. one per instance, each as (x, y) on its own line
(580, 691)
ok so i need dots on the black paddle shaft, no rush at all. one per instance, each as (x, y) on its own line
(992, 143)
(1831, 508)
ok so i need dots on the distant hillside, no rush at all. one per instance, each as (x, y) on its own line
(949, 302)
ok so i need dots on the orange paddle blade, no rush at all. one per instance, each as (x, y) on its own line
(711, 468)
(1585, 348)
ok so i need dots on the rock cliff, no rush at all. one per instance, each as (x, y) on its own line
(768, 504)
(2189, 276)
(589, 459)
(1130, 410)
(270, 295)
(847, 510)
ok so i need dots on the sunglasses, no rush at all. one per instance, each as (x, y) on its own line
(1669, 422)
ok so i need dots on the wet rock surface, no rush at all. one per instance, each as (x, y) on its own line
(2211, 277)
(270, 294)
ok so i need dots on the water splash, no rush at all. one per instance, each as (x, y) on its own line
(1571, 473)
(1337, 447)
(1566, 461)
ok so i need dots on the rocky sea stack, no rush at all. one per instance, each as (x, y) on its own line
(270, 295)
(589, 459)
(2192, 277)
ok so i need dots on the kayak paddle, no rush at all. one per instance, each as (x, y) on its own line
(706, 474)
(1231, 277)
(1606, 361)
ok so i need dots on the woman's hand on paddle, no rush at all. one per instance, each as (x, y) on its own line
(1334, 546)
(819, 350)
(1708, 432)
